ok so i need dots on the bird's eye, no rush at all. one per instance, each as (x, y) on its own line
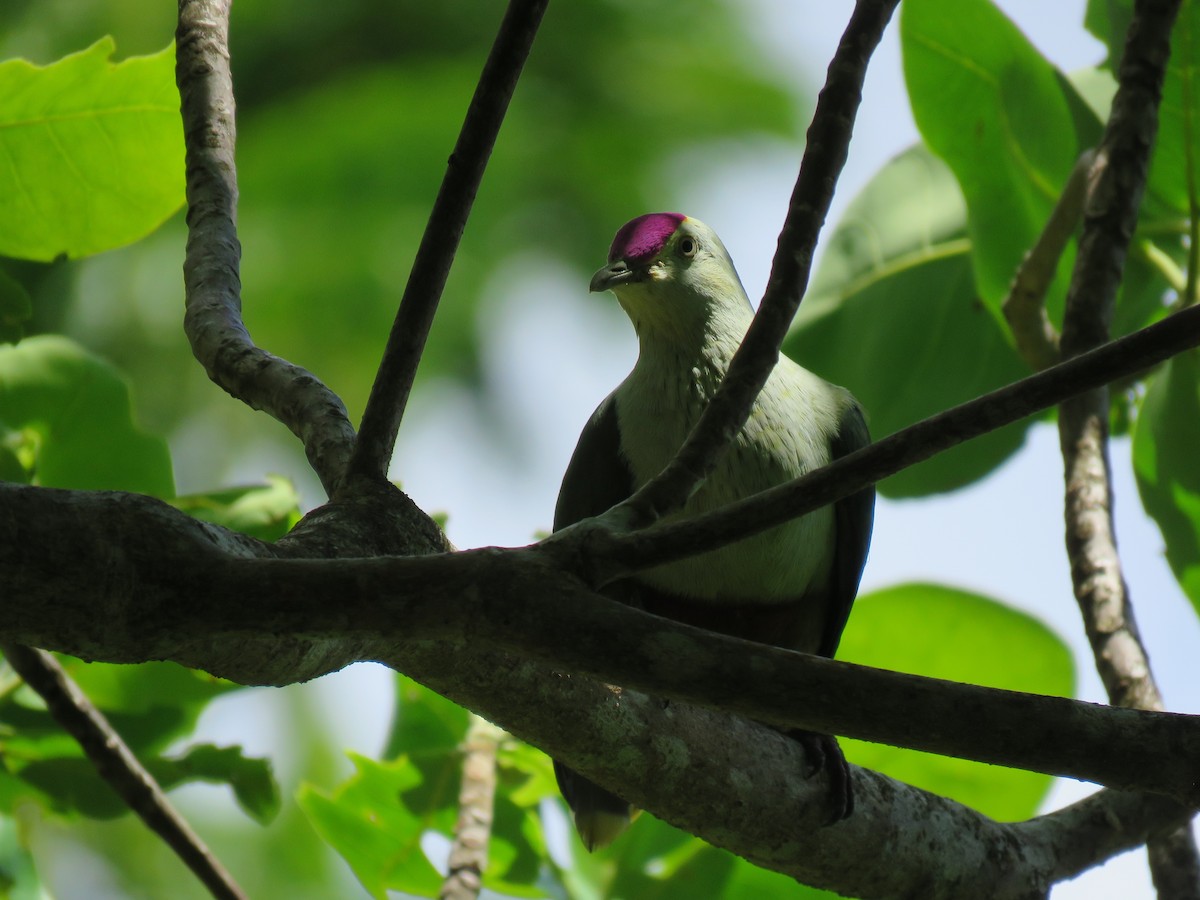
(687, 247)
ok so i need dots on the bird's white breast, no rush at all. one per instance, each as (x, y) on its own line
(657, 406)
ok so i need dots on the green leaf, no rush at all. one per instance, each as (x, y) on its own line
(251, 778)
(377, 834)
(15, 308)
(265, 512)
(517, 853)
(1000, 115)
(18, 876)
(1165, 440)
(92, 152)
(1109, 20)
(70, 411)
(945, 633)
(72, 785)
(424, 722)
(748, 880)
(144, 687)
(892, 314)
(151, 706)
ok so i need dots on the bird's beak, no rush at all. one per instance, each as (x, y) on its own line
(613, 274)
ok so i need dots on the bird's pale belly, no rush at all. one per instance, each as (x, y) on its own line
(776, 566)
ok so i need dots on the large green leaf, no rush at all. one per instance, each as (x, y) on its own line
(67, 413)
(945, 633)
(416, 792)
(72, 784)
(138, 690)
(379, 836)
(91, 152)
(1165, 442)
(1000, 115)
(892, 314)
(151, 706)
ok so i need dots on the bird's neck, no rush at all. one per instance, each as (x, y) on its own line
(680, 349)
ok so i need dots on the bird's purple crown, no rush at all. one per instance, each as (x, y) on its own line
(644, 236)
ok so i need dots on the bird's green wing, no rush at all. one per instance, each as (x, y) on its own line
(853, 517)
(597, 478)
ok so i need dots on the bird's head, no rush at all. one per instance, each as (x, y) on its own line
(672, 275)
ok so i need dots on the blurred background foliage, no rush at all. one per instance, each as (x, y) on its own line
(346, 115)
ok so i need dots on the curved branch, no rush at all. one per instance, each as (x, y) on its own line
(1098, 827)
(170, 592)
(494, 629)
(825, 153)
(213, 321)
(464, 172)
(1024, 307)
(1117, 182)
(602, 553)
(116, 764)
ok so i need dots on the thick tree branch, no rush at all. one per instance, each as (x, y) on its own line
(117, 765)
(213, 320)
(490, 629)
(170, 593)
(824, 155)
(601, 554)
(1116, 185)
(447, 219)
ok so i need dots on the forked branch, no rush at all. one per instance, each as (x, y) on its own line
(464, 171)
(213, 320)
(825, 153)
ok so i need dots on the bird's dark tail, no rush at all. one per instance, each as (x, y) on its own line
(600, 816)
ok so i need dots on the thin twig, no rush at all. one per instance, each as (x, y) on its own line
(602, 554)
(1025, 306)
(1117, 183)
(464, 172)
(473, 830)
(213, 321)
(117, 765)
(825, 153)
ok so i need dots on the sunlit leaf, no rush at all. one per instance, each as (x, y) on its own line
(893, 315)
(266, 512)
(135, 690)
(78, 409)
(424, 722)
(378, 835)
(91, 152)
(1000, 115)
(945, 633)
